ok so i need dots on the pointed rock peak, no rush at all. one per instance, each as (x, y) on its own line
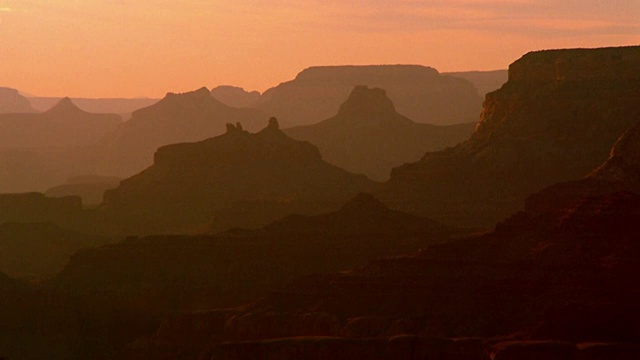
(65, 105)
(234, 128)
(273, 124)
(365, 100)
(364, 203)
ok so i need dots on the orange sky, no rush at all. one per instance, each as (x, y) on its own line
(129, 48)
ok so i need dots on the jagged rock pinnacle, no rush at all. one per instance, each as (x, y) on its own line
(273, 124)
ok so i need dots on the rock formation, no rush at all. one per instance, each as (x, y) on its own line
(553, 121)
(419, 93)
(11, 101)
(369, 137)
(237, 179)
(177, 118)
(235, 96)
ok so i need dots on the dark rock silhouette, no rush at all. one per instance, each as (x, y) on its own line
(553, 121)
(484, 81)
(62, 125)
(235, 96)
(35, 207)
(368, 136)
(90, 188)
(130, 287)
(39, 250)
(11, 101)
(566, 276)
(177, 118)
(419, 93)
(237, 179)
(556, 281)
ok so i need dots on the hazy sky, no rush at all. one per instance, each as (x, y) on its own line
(126, 48)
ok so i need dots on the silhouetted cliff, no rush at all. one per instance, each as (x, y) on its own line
(419, 93)
(177, 118)
(368, 136)
(553, 121)
(237, 179)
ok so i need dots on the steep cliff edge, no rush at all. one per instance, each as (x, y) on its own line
(554, 120)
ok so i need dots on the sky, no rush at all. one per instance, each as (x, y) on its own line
(146, 48)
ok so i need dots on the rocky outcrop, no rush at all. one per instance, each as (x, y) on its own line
(419, 93)
(191, 116)
(235, 96)
(368, 136)
(542, 127)
(237, 179)
(11, 101)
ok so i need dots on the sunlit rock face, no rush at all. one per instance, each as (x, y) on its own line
(554, 120)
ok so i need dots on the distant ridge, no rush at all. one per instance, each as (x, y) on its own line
(418, 92)
(368, 136)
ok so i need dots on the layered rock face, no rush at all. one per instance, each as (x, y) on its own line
(419, 93)
(237, 179)
(235, 96)
(177, 118)
(11, 101)
(368, 136)
(553, 121)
